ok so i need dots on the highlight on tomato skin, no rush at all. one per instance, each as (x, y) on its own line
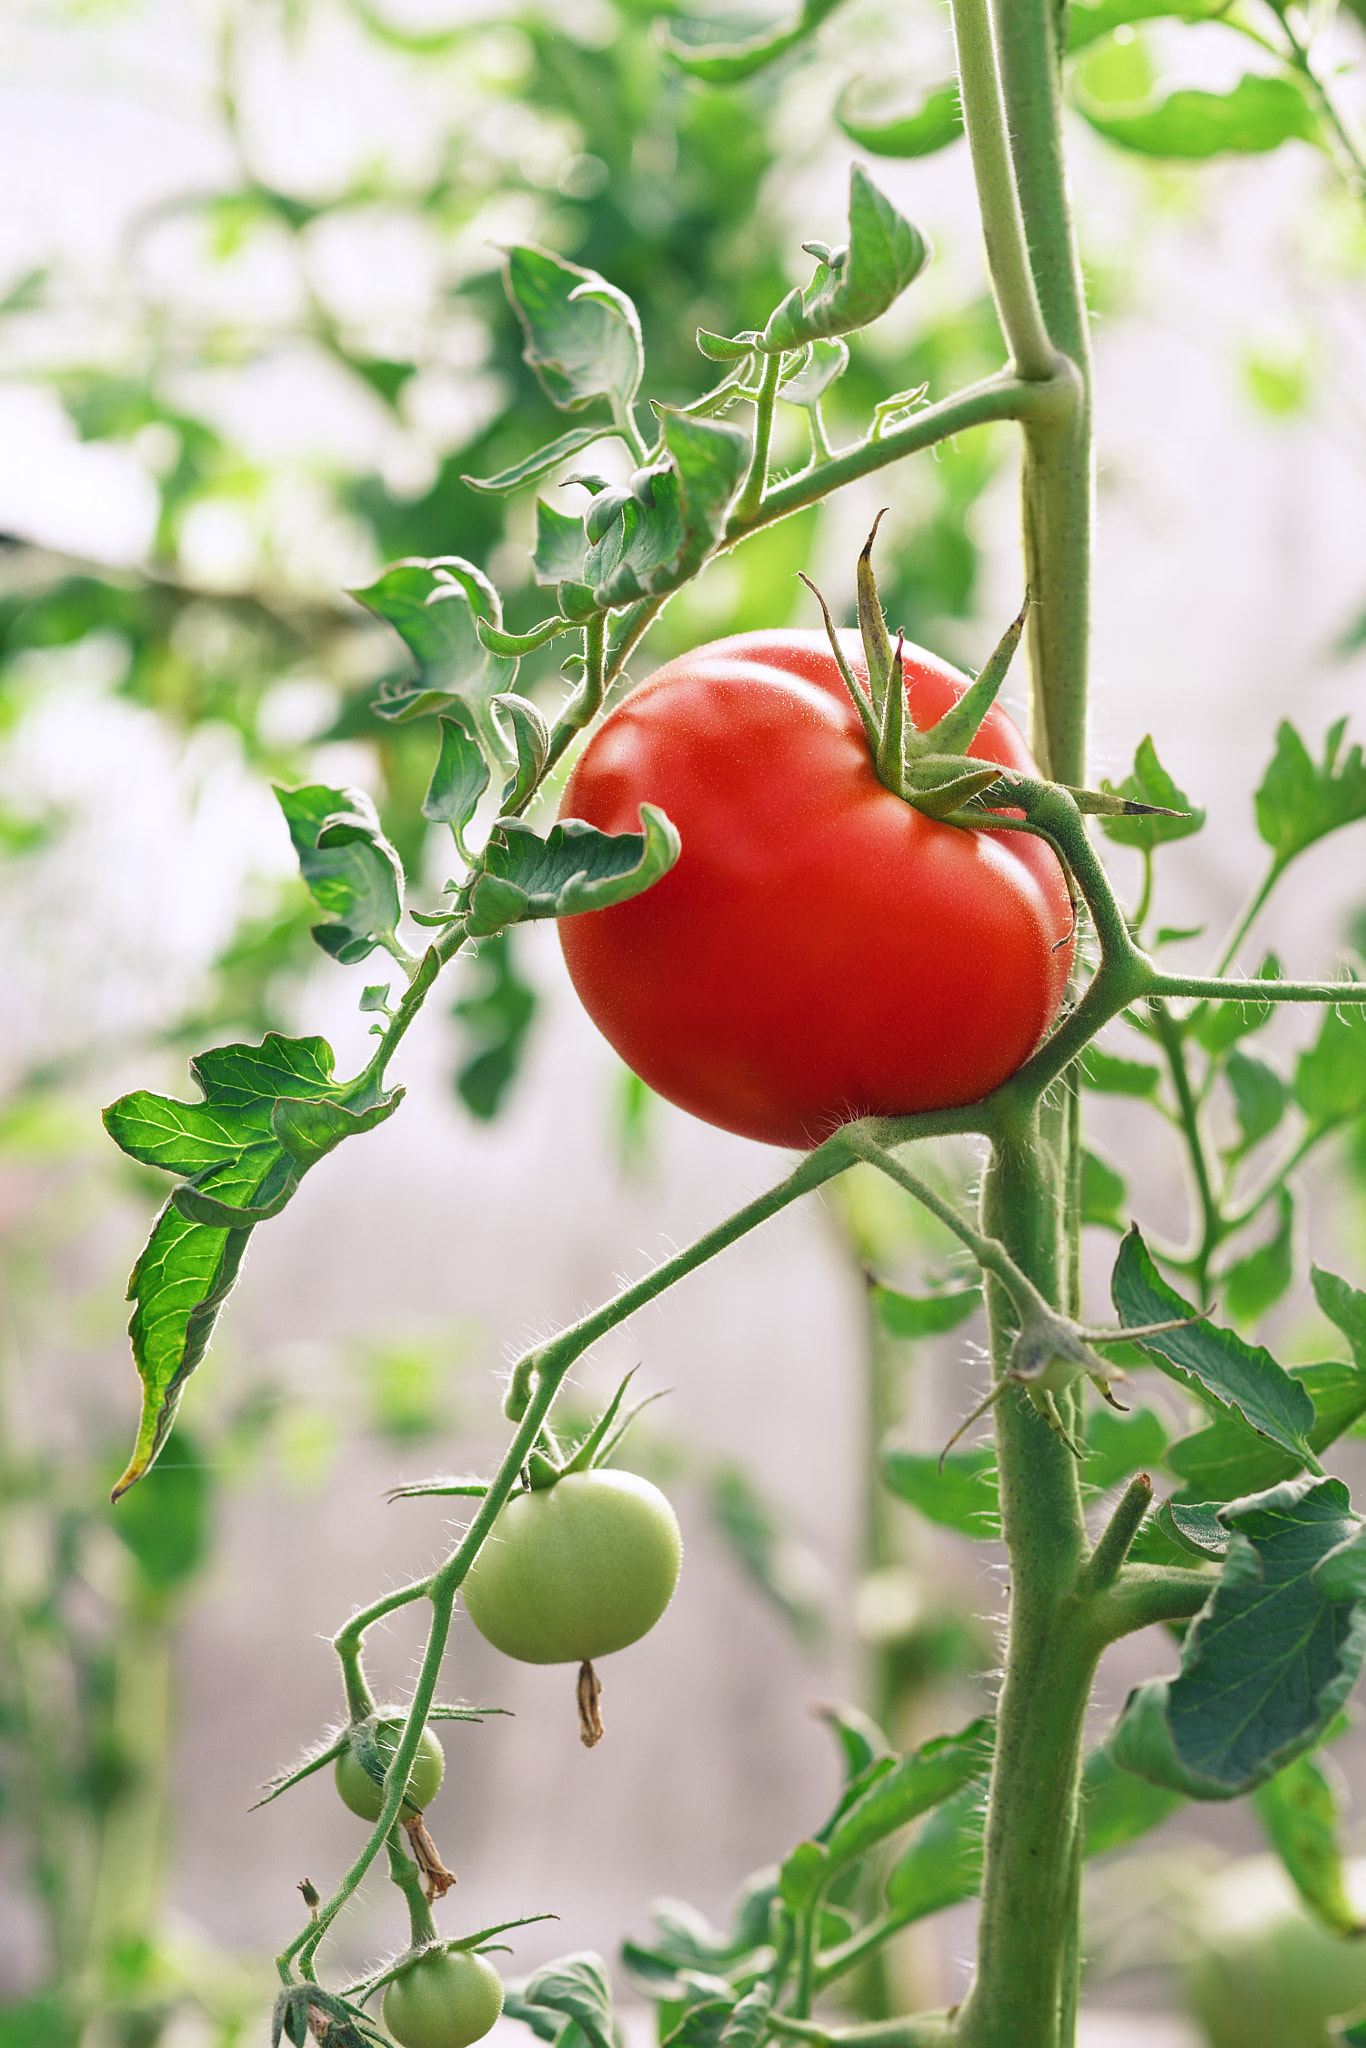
(820, 951)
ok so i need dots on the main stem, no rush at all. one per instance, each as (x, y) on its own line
(1024, 1994)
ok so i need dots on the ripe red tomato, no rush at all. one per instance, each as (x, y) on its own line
(820, 951)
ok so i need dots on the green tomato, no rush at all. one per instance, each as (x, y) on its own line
(445, 1999)
(1263, 1973)
(576, 1570)
(359, 1790)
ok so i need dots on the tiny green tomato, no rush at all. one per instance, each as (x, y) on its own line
(576, 1570)
(444, 1999)
(359, 1790)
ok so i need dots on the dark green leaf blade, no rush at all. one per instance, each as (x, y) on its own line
(936, 122)
(459, 778)
(1330, 1077)
(1117, 1807)
(1228, 1459)
(1118, 1445)
(1217, 1363)
(1259, 114)
(1149, 783)
(435, 606)
(1300, 1810)
(582, 334)
(958, 1494)
(1301, 800)
(924, 1315)
(1268, 1661)
(885, 254)
(249, 1078)
(1343, 1305)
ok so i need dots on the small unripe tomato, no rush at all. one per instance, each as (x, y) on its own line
(576, 1570)
(443, 2000)
(359, 1790)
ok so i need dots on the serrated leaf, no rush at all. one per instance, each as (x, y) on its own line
(1227, 1459)
(1215, 1363)
(1299, 1809)
(1261, 1277)
(915, 1316)
(1345, 1306)
(350, 869)
(582, 334)
(1217, 1026)
(561, 545)
(728, 64)
(1268, 1661)
(885, 254)
(1149, 783)
(434, 606)
(936, 122)
(1104, 1193)
(1117, 1807)
(1118, 1445)
(181, 1137)
(1259, 1097)
(1109, 1075)
(1330, 1078)
(659, 533)
(958, 1494)
(459, 779)
(922, 1780)
(251, 1078)
(532, 468)
(574, 869)
(1301, 800)
(577, 1986)
(1259, 114)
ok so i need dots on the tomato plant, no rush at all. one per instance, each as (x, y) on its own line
(576, 1570)
(444, 1999)
(359, 1790)
(819, 951)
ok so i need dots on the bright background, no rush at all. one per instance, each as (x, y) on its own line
(251, 333)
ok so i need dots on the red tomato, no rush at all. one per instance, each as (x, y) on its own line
(820, 951)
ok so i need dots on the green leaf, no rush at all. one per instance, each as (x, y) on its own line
(803, 1872)
(811, 376)
(1118, 1445)
(165, 1524)
(252, 1078)
(182, 1137)
(1253, 1283)
(1117, 1807)
(577, 1986)
(860, 1739)
(435, 606)
(1330, 1078)
(943, 1865)
(959, 1493)
(937, 122)
(582, 334)
(531, 747)
(1217, 1026)
(1300, 1811)
(1259, 1097)
(1108, 1075)
(922, 1780)
(1268, 1661)
(351, 871)
(1345, 1306)
(884, 255)
(1259, 114)
(747, 2026)
(496, 1016)
(532, 468)
(1104, 1193)
(1149, 783)
(1215, 1363)
(718, 64)
(659, 533)
(1227, 1460)
(925, 1315)
(459, 778)
(575, 868)
(1194, 1527)
(1086, 24)
(1300, 800)
(561, 546)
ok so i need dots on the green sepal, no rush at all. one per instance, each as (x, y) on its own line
(1268, 1661)
(885, 254)
(937, 122)
(945, 799)
(541, 1473)
(877, 643)
(955, 732)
